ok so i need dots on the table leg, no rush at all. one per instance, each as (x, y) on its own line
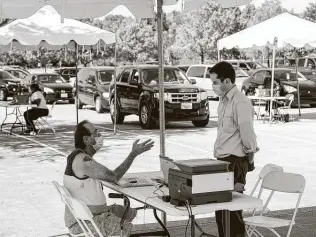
(6, 116)
(227, 223)
(16, 119)
(192, 225)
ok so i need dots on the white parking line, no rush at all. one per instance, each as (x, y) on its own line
(167, 141)
(37, 142)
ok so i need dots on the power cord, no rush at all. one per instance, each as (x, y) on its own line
(188, 207)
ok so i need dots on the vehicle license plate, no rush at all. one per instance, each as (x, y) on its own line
(186, 105)
(63, 95)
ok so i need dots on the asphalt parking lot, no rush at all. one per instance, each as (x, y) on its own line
(28, 164)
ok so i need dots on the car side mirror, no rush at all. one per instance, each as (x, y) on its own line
(193, 81)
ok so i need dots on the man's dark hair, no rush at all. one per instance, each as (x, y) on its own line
(80, 132)
(224, 70)
(35, 87)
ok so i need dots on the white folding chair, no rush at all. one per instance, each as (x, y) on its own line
(268, 168)
(80, 211)
(264, 171)
(42, 122)
(285, 110)
(276, 182)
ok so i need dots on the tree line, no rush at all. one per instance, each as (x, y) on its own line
(188, 35)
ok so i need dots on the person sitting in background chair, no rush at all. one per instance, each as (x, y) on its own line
(34, 113)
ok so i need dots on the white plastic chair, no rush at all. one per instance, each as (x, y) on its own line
(42, 122)
(264, 171)
(283, 110)
(80, 211)
(276, 182)
(268, 168)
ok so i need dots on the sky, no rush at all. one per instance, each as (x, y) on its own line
(297, 5)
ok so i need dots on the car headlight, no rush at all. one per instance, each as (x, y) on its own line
(166, 96)
(203, 95)
(289, 89)
(105, 94)
(48, 90)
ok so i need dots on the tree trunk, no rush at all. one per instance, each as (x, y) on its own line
(202, 57)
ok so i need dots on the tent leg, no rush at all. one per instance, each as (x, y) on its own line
(272, 79)
(298, 84)
(161, 78)
(115, 74)
(77, 94)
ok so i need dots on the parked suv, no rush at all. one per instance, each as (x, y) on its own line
(9, 85)
(93, 87)
(138, 93)
(53, 85)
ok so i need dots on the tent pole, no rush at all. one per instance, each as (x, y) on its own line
(115, 75)
(161, 86)
(161, 77)
(77, 94)
(298, 84)
(272, 78)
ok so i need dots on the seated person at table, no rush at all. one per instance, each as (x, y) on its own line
(83, 176)
(34, 113)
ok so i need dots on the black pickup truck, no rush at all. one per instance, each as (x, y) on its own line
(138, 93)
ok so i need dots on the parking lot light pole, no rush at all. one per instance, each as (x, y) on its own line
(115, 75)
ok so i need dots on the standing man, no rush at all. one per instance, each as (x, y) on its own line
(83, 176)
(236, 140)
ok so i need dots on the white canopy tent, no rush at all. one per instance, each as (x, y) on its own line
(96, 8)
(282, 31)
(45, 25)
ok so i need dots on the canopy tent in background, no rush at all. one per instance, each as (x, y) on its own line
(45, 28)
(282, 31)
(45, 25)
(97, 8)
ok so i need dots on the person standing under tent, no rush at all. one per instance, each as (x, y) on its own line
(236, 140)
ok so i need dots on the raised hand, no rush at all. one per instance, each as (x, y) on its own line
(142, 147)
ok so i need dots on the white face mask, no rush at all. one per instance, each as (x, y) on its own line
(218, 90)
(98, 143)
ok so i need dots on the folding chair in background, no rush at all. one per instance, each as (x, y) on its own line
(285, 110)
(276, 182)
(82, 213)
(42, 122)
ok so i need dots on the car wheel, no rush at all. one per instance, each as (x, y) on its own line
(119, 118)
(145, 115)
(201, 123)
(98, 105)
(3, 95)
(72, 101)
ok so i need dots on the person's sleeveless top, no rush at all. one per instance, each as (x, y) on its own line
(88, 190)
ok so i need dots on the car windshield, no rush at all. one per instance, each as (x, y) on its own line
(289, 76)
(171, 76)
(105, 77)
(6, 75)
(51, 79)
(240, 73)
